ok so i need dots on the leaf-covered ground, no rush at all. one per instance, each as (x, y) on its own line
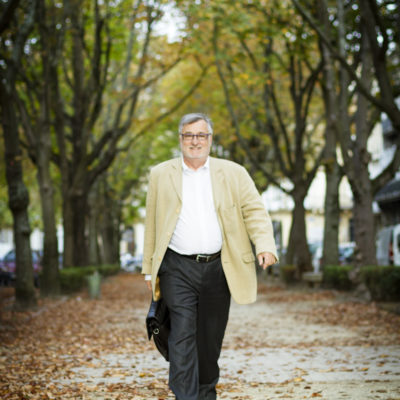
(295, 344)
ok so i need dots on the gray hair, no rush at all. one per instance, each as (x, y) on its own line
(194, 117)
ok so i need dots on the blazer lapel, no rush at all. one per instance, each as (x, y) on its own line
(217, 182)
(176, 177)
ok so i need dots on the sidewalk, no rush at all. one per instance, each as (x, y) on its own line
(288, 345)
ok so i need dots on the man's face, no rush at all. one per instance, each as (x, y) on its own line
(195, 148)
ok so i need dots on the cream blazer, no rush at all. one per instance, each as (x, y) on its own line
(241, 215)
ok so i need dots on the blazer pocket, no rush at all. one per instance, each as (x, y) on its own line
(248, 257)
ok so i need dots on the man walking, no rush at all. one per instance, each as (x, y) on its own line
(200, 214)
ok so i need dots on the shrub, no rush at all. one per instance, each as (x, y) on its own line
(288, 273)
(108, 269)
(337, 277)
(75, 278)
(382, 282)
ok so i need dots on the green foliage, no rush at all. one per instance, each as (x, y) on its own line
(75, 278)
(5, 213)
(288, 273)
(382, 282)
(107, 67)
(337, 277)
(267, 45)
(108, 269)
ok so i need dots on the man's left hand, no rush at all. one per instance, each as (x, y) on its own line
(266, 259)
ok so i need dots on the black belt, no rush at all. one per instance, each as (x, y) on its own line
(200, 258)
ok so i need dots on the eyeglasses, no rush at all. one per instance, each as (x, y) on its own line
(188, 137)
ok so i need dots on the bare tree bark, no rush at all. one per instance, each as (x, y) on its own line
(333, 172)
(18, 200)
(18, 196)
(362, 64)
(359, 175)
(94, 215)
(355, 155)
(109, 226)
(35, 112)
(50, 282)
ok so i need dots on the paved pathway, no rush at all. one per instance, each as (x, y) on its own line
(290, 344)
(281, 347)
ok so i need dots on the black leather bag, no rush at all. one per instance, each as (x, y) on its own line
(158, 326)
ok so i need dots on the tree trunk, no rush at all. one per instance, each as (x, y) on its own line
(59, 127)
(110, 231)
(298, 252)
(364, 224)
(95, 212)
(50, 281)
(333, 173)
(330, 254)
(18, 197)
(357, 168)
(79, 215)
(68, 255)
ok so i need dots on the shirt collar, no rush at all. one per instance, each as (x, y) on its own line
(205, 166)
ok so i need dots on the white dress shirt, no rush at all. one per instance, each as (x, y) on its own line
(197, 230)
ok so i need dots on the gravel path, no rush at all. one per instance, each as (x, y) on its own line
(290, 344)
(282, 347)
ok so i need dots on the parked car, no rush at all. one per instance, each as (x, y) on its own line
(126, 259)
(137, 262)
(388, 245)
(8, 267)
(346, 254)
(131, 263)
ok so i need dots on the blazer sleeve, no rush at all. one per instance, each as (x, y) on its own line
(256, 218)
(150, 226)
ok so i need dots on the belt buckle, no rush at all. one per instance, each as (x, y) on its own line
(199, 257)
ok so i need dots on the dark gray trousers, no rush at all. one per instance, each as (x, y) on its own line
(198, 299)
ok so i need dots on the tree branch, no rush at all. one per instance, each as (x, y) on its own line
(172, 109)
(132, 99)
(109, 133)
(387, 174)
(112, 150)
(233, 115)
(378, 103)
